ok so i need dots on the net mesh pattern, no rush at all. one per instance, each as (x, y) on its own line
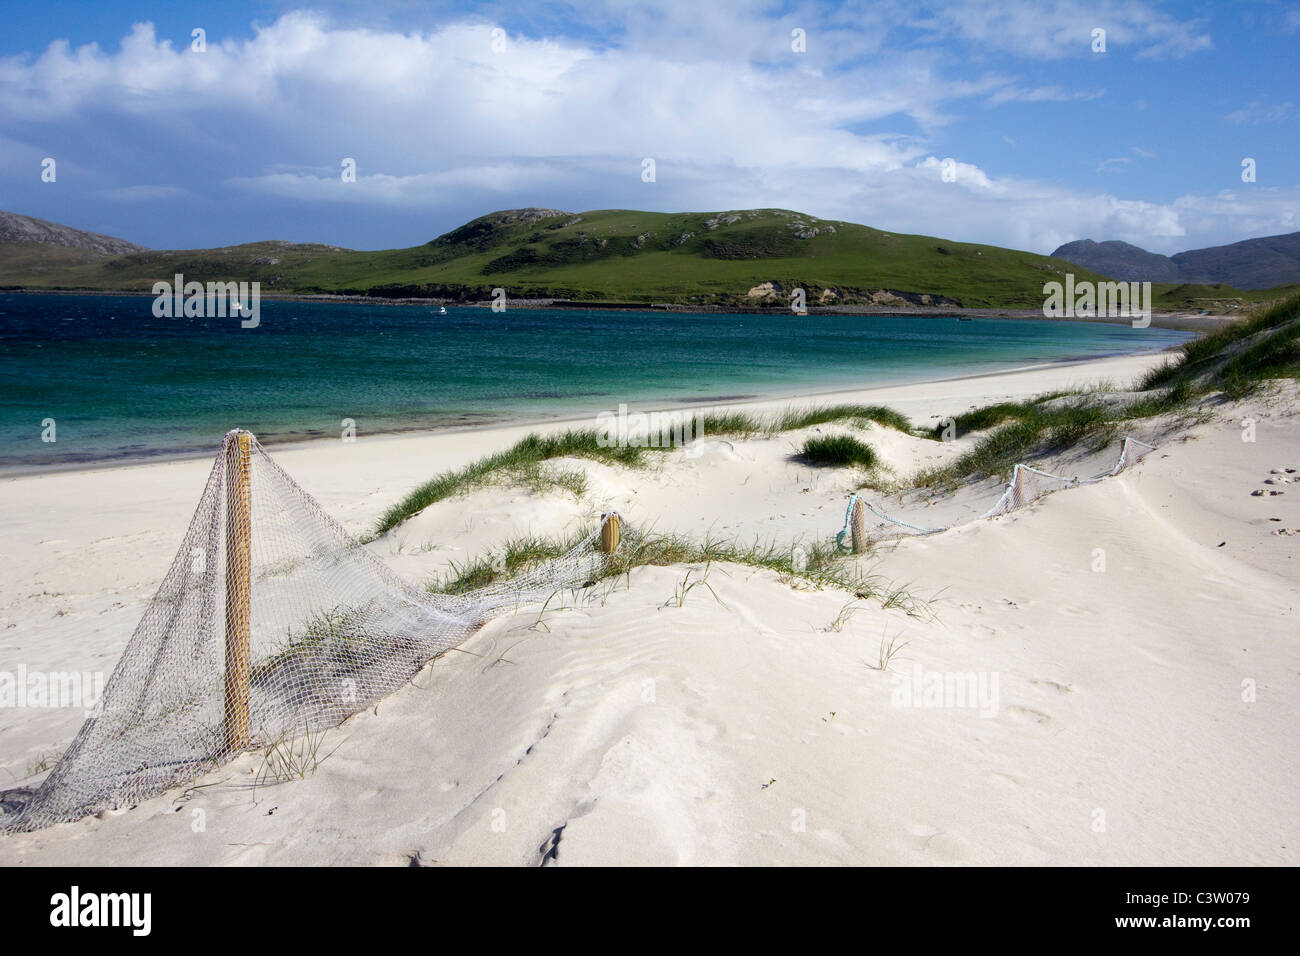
(919, 516)
(271, 621)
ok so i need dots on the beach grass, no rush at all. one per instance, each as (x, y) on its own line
(981, 419)
(521, 458)
(1218, 359)
(294, 756)
(1027, 429)
(538, 479)
(820, 564)
(837, 451)
(1233, 361)
(859, 415)
(522, 461)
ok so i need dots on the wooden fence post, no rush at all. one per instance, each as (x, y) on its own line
(609, 533)
(858, 525)
(238, 588)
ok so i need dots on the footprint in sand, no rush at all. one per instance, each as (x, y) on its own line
(1151, 655)
(1073, 611)
(1055, 685)
(937, 844)
(1028, 715)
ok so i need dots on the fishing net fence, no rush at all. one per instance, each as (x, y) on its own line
(272, 620)
(918, 514)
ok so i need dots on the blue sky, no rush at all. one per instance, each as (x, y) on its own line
(453, 110)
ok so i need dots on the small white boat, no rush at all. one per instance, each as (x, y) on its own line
(442, 310)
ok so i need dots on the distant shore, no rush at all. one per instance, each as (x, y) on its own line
(1181, 321)
(547, 422)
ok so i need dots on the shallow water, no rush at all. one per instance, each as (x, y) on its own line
(120, 383)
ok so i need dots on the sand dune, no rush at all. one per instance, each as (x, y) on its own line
(1109, 718)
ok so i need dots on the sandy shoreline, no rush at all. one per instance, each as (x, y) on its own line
(560, 420)
(1122, 732)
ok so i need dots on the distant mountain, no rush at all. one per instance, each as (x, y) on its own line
(1250, 264)
(742, 258)
(16, 228)
(1119, 260)
(736, 259)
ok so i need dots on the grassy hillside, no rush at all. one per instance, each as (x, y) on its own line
(1214, 299)
(609, 255)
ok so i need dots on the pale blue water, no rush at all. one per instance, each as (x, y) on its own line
(120, 383)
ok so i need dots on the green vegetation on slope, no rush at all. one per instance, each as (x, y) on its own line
(617, 255)
(605, 255)
(524, 457)
(1233, 361)
(1262, 346)
(822, 564)
(1239, 357)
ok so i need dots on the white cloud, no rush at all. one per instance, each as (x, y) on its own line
(1260, 112)
(435, 116)
(429, 190)
(1042, 94)
(1051, 29)
(1249, 211)
(1117, 164)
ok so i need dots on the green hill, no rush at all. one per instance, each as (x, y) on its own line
(610, 255)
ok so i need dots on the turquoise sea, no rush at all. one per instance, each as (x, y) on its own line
(119, 383)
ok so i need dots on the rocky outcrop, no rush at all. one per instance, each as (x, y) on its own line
(803, 230)
(721, 220)
(508, 217)
(765, 290)
(16, 228)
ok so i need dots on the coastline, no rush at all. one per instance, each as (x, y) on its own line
(1179, 321)
(558, 420)
(769, 684)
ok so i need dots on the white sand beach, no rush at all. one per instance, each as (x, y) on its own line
(1141, 714)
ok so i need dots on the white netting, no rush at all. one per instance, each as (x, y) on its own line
(272, 620)
(919, 515)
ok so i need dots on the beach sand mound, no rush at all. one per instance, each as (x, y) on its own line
(1108, 676)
